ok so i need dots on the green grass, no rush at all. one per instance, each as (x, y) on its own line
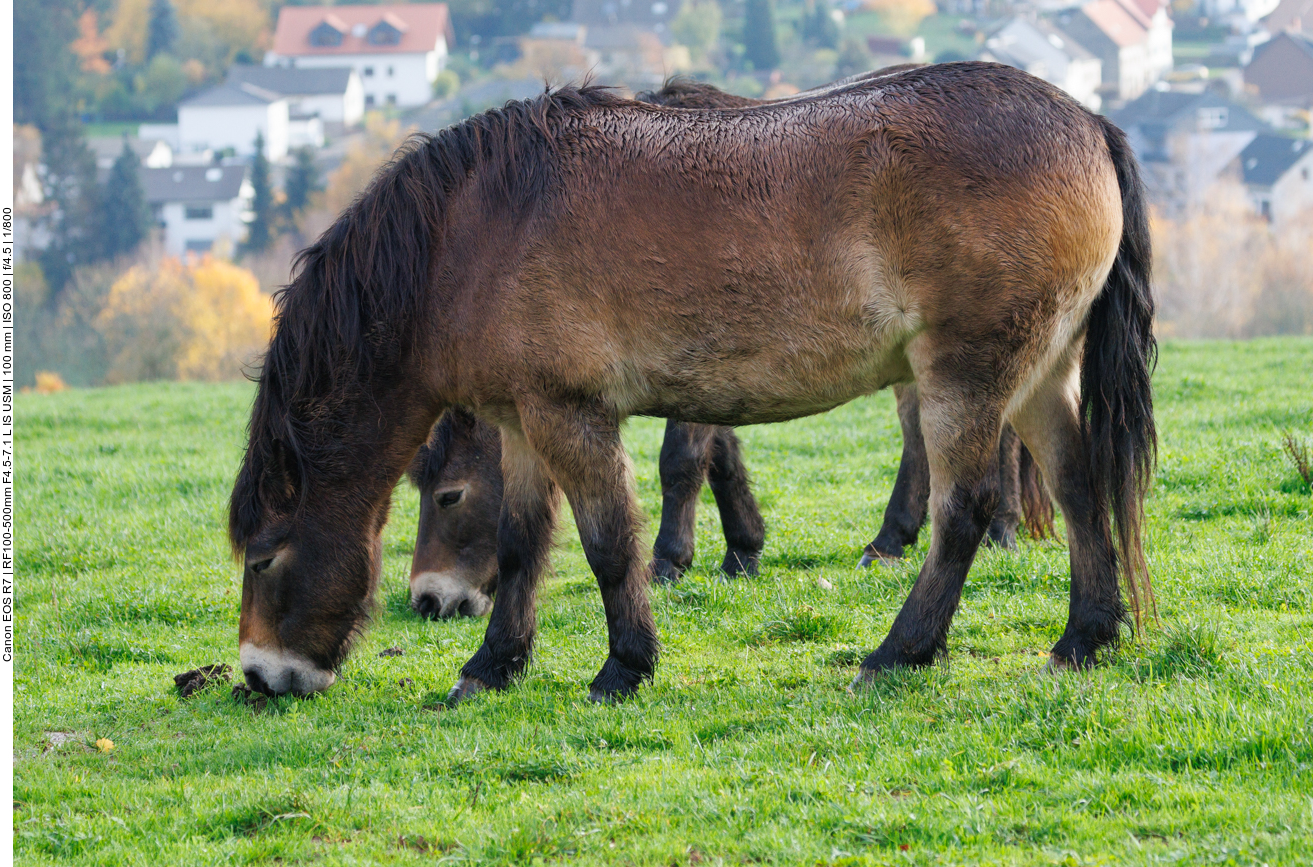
(1192, 746)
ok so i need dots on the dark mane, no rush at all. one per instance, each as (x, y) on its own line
(346, 322)
(681, 92)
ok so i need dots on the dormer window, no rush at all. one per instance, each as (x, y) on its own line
(325, 36)
(1212, 117)
(384, 33)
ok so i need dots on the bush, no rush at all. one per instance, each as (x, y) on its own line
(206, 320)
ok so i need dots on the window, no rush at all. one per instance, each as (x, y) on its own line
(389, 72)
(326, 36)
(198, 246)
(1212, 118)
(1303, 173)
(392, 99)
(369, 72)
(383, 33)
(199, 212)
(369, 99)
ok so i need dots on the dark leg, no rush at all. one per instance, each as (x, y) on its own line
(740, 519)
(1049, 425)
(582, 450)
(686, 454)
(962, 448)
(524, 538)
(1003, 529)
(906, 511)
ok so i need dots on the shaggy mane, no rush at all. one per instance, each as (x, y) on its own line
(346, 321)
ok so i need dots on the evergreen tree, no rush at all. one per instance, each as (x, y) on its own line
(162, 30)
(259, 232)
(818, 26)
(45, 78)
(125, 216)
(759, 35)
(302, 180)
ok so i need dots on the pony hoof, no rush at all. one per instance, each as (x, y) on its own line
(865, 679)
(465, 688)
(741, 563)
(600, 697)
(664, 572)
(870, 558)
(1060, 664)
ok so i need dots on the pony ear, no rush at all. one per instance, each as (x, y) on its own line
(284, 475)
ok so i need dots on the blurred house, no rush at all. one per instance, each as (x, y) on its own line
(230, 116)
(334, 94)
(630, 41)
(653, 16)
(397, 50)
(198, 207)
(1046, 52)
(1296, 15)
(1184, 142)
(1278, 174)
(1237, 12)
(1132, 38)
(155, 153)
(1282, 72)
(612, 53)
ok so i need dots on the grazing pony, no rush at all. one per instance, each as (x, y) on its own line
(965, 226)
(453, 570)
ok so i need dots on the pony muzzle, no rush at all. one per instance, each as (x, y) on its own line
(274, 671)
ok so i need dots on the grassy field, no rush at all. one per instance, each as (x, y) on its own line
(1193, 745)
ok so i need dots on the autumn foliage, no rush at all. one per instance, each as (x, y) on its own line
(202, 320)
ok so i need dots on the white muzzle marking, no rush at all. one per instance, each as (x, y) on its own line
(284, 671)
(450, 591)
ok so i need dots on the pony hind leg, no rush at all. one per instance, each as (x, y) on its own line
(740, 518)
(961, 438)
(906, 512)
(582, 450)
(686, 454)
(524, 538)
(1049, 423)
(1003, 528)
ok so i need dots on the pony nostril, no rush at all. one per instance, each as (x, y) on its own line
(424, 606)
(256, 681)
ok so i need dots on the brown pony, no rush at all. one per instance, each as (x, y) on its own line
(965, 227)
(453, 570)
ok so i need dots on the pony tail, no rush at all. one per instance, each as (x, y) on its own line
(1116, 390)
(1036, 505)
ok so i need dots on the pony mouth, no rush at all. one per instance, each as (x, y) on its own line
(275, 671)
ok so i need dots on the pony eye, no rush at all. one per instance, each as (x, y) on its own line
(262, 565)
(450, 498)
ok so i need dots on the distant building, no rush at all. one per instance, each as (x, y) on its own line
(396, 50)
(1134, 47)
(1237, 11)
(1296, 15)
(154, 153)
(1282, 70)
(1278, 173)
(1184, 142)
(1046, 52)
(230, 116)
(653, 16)
(334, 94)
(198, 206)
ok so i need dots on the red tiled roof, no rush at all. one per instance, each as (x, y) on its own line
(1115, 20)
(420, 24)
(1143, 10)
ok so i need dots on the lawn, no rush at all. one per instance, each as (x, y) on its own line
(1191, 745)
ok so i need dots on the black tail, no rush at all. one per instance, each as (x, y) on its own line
(1116, 394)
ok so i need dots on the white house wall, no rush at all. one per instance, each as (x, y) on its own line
(222, 126)
(410, 82)
(224, 226)
(1292, 194)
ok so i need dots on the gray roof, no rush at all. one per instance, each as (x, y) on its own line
(1171, 108)
(1030, 45)
(233, 93)
(1268, 157)
(192, 183)
(292, 80)
(109, 147)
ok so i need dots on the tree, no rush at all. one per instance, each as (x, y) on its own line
(125, 216)
(259, 232)
(818, 25)
(759, 35)
(697, 26)
(45, 95)
(162, 31)
(302, 180)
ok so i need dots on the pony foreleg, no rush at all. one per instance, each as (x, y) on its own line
(906, 511)
(524, 538)
(740, 519)
(582, 449)
(685, 459)
(1049, 425)
(962, 448)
